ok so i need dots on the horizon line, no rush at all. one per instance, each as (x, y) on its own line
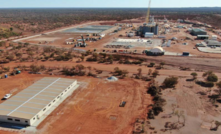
(109, 7)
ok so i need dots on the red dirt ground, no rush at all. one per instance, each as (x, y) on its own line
(95, 109)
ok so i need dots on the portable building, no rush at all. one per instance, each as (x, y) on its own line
(202, 37)
(214, 37)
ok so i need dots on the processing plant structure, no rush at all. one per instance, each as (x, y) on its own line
(150, 26)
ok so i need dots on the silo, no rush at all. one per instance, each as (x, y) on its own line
(156, 30)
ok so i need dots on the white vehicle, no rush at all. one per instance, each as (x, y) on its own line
(7, 96)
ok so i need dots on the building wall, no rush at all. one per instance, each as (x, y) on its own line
(145, 29)
(14, 120)
(198, 33)
(45, 109)
(38, 115)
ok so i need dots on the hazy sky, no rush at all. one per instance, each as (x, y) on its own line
(109, 3)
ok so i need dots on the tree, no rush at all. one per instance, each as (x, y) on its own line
(219, 87)
(179, 114)
(194, 74)
(124, 73)
(212, 78)
(162, 64)
(139, 72)
(155, 73)
(207, 73)
(11, 29)
(174, 106)
(217, 124)
(170, 82)
(152, 64)
(82, 58)
(149, 72)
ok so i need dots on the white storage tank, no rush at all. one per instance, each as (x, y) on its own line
(148, 35)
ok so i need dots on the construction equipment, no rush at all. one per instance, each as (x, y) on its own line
(148, 13)
(122, 104)
(132, 25)
(84, 44)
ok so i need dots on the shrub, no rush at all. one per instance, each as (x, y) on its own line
(205, 84)
(212, 78)
(155, 73)
(194, 74)
(170, 82)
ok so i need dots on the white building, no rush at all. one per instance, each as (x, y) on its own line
(69, 43)
(102, 35)
(214, 37)
(157, 50)
(148, 35)
(29, 105)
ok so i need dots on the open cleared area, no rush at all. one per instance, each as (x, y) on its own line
(89, 29)
(134, 43)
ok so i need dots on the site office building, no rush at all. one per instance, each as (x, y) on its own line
(29, 105)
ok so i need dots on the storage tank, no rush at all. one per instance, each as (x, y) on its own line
(156, 30)
(148, 35)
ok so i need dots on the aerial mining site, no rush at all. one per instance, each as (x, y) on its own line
(110, 70)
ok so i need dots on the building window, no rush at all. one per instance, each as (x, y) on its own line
(54, 101)
(49, 105)
(26, 121)
(44, 109)
(10, 119)
(58, 96)
(17, 120)
(33, 118)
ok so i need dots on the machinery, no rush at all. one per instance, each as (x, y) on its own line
(84, 44)
(122, 104)
(132, 26)
(148, 13)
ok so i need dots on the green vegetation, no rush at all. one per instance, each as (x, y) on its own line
(155, 91)
(170, 82)
(6, 33)
(194, 74)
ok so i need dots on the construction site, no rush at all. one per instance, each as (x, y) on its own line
(109, 77)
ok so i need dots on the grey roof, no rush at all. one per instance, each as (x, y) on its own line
(198, 30)
(202, 35)
(27, 103)
(213, 43)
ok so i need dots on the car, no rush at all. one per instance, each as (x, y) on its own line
(6, 96)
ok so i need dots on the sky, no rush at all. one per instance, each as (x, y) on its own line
(108, 3)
